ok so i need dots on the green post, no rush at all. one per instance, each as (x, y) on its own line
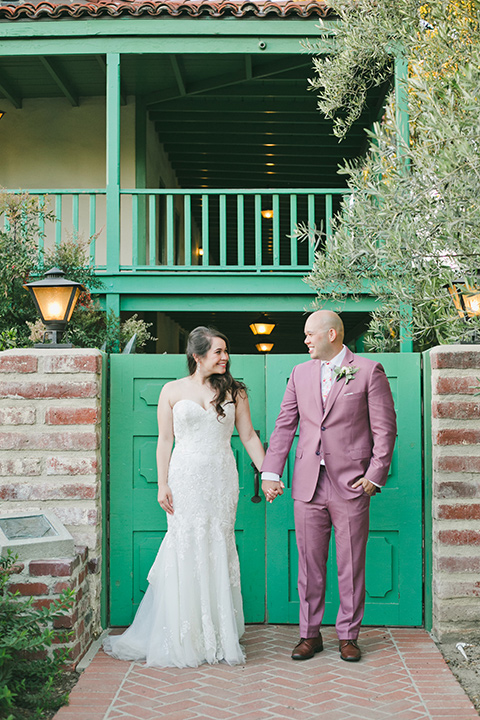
(112, 305)
(406, 340)
(113, 162)
(141, 176)
(104, 497)
(401, 105)
(428, 480)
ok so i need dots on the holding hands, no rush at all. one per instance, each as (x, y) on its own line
(272, 488)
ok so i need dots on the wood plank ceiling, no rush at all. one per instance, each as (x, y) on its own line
(225, 120)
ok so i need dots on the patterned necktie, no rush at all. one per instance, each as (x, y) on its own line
(326, 380)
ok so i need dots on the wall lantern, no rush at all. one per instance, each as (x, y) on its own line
(262, 326)
(55, 299)
(2, 113)
(264, 347)
(267, 214)
(466, 298)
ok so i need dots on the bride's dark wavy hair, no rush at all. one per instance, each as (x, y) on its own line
(199, 343)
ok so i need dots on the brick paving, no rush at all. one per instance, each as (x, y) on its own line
(402, 676)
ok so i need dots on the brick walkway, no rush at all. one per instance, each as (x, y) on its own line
(402, 675)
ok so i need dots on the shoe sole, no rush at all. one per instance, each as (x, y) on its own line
(352, 659)
(308, 657)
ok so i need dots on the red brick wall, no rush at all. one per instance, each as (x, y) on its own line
(456, 490)
(50, 449)
(45, 580)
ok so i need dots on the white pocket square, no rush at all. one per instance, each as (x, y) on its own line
(348, 394)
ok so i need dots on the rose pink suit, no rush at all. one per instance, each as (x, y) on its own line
(354, 434)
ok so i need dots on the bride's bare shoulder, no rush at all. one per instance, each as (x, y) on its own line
(172, 390)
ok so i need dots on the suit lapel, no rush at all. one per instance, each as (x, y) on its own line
(337, 386)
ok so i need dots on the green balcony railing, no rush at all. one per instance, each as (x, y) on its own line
(246, 230)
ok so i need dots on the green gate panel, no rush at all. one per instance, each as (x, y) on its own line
(137, 523)
(394, 550)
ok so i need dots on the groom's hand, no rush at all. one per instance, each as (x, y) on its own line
(368, 486)
(271, 489)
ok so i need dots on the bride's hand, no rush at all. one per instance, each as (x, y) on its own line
(272, 489)
(165, 499)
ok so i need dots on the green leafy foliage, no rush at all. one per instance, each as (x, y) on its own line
(18, 259)
(21, 262)
(411, 224)
(27, 669)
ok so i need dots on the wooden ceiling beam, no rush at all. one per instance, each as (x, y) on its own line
(277, 139)
(199, 104)
(212, 175)
(179, 75)
(258, 162)
(60, 80)
(237, 124)
(204, 148)
(290, 89)
(224, 116)
(245, 155)
(10, 94)
(228, 80)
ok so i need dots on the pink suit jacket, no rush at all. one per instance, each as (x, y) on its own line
(354, 434)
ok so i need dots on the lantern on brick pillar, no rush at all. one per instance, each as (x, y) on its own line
(55, 298)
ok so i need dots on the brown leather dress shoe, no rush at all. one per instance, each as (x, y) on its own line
(349, 650)
(307, 647)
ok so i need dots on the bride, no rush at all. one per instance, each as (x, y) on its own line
(192, 610)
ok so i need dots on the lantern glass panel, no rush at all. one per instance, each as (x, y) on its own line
(53, 301)
(472, 304)
(456, 300)
(74, 302)
(262, 328)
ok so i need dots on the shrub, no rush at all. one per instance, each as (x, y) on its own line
(28, 668)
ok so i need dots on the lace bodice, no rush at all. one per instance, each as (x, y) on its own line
(194, 427)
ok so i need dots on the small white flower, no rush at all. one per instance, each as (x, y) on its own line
(345, 372)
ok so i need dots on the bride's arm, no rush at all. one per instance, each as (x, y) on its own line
(248, 436)
(164, 449)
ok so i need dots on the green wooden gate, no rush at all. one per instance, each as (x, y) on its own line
(394, 552)
(265, 535)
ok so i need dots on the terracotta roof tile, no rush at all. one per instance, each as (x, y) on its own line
(175, 8)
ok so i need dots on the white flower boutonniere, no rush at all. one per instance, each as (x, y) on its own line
(345, 372)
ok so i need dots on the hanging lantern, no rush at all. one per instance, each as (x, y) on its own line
(264, 347)
(262, 326)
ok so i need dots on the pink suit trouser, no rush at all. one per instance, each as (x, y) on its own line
(313, 524)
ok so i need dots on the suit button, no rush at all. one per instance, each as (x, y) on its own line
(323, 427)
(318, 452)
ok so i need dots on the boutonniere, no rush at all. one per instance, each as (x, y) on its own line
(345, 372)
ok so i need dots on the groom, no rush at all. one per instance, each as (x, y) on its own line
(347, 422)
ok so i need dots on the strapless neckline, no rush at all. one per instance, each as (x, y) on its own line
(194, 403)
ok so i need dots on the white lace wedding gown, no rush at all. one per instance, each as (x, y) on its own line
(192, 610)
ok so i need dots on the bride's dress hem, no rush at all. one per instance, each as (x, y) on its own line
(108, 649)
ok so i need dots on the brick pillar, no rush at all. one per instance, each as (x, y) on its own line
(456, 490)
(50, 444)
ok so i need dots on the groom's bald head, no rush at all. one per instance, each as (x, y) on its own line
(324, 334)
